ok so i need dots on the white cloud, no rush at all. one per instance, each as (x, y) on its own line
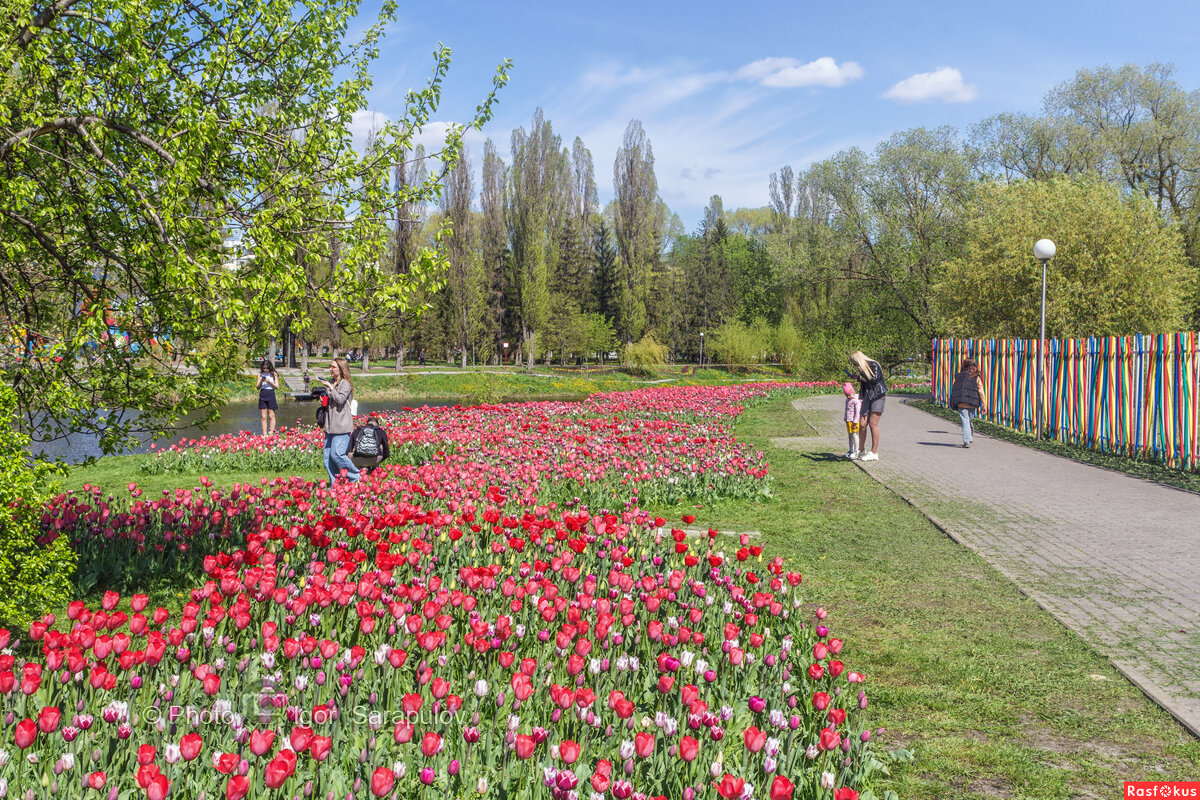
(781, 72)
(944, 83)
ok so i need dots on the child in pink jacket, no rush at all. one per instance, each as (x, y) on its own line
(853, 411)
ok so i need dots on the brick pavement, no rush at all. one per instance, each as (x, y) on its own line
(1114, 558)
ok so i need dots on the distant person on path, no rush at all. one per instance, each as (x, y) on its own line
(339, 421)
(369, 445)
(873, 391)
(853, 412)
(966, 395)
(268, 382)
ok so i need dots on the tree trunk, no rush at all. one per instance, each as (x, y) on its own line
(366, 357)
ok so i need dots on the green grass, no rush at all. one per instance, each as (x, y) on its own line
(113, 474)
(513, 383)
(996, 698)
(1139, 468)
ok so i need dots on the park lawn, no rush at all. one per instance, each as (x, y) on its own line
(994, 696)
(491, 384)
(113, 474)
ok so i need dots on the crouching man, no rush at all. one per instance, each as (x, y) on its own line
(369, 444)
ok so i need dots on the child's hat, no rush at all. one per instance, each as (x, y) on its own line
(847, 389)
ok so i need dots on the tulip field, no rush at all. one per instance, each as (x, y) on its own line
(496, 616)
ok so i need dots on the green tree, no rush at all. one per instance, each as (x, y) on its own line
(134, 138)
(638, 224)
(35, 573)
(1120, 267)
(465, 277)
(535, 201)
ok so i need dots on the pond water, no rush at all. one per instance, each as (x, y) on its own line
(235, 418)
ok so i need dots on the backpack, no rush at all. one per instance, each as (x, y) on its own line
(368, 443)
(322, 409)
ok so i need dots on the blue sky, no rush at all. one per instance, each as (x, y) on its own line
(729, 92)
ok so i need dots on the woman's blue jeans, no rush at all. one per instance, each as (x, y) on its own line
(336, 459)
(965, 414)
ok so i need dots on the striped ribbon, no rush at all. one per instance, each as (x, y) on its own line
(1137, 396)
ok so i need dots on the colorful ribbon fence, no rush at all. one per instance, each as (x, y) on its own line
(1138, 396)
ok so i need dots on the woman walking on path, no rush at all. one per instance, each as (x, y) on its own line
(966, 395)
(872, 390)
(268, 382)
(339, 422)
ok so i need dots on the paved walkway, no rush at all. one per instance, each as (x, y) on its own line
(1114, 558)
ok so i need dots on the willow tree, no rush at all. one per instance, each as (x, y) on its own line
(136, 138)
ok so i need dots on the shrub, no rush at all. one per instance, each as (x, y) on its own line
(640, 358)
(735, 344)
(36, 576)
(788, 346)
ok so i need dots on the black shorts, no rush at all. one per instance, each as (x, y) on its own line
(267, 401)
(875, 407)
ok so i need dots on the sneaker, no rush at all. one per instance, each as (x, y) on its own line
(869, 457)
(966, 445)
(853, 454)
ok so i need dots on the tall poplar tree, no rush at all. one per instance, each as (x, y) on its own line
(464, 279)
(535, 201)
(638, 227)
(493, 245)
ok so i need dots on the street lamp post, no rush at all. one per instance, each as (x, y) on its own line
(506, 354)
(701, 348)
(1043, 251)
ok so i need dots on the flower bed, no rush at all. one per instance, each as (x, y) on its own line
(435, 630)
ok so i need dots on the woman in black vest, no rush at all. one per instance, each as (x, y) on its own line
(967, 395)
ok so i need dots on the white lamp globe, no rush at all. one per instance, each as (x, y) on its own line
(1044, 250)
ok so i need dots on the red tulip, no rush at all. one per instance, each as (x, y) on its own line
(411, 704)
(820, 701)
(845, 793)
(569, 751)
(300, 738)
(525, 747)
(96, 780)
(643, 744)
(754, 738)
(261, 742)
(237, 787)
(277, 772)
(190, 745)
(26, 733)
(226, 763)
(431, 744)
(158, 787)
(730, 787)
(689, 748)
(403, 731)
(830, 739)
(781, 788)
(48, 719)
(319, 747)
(382, 780)
(146, 754)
